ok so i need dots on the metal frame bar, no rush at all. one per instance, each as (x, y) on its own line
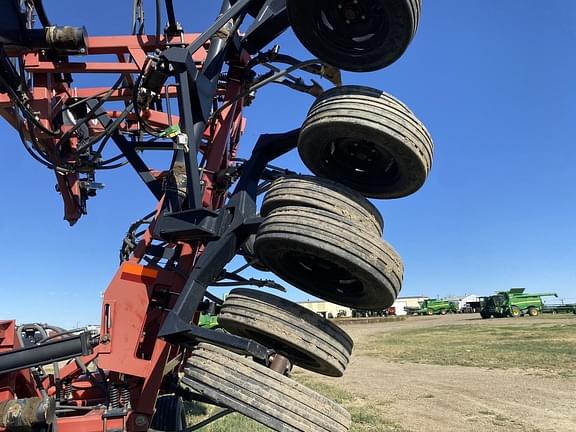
(55, 351)
(147, 312)
(217, 254)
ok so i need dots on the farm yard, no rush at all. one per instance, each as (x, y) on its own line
(452, 373)
(256, 187)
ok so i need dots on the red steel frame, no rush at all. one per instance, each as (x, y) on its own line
(138, 298)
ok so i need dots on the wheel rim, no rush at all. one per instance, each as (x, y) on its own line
(315, 251)
(355, 35)
(340, 282)
(363, 162)
(323, 273)
(356, 26)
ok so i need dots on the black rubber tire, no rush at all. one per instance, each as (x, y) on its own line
(169, 414)
(533, 312)
(250, 256)
(329, 257)
(307, 339)
(367, 140)
(515, 312)
(324, 194)
(257, 392)
(365, 35)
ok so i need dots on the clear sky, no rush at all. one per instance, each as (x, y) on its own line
(494, 81)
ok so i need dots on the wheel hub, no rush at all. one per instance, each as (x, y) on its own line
(353, 24)
(361, 158)
(351, 11)
(326, 273)
(362, 151)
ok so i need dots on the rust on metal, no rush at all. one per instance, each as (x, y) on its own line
(23, 414)
(280, 364)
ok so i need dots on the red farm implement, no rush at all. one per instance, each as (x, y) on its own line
(184, 94)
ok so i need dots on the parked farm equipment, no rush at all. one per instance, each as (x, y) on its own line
(437, 307)
(556, 308)
(184, 94)
(390, 311)
(512, 303)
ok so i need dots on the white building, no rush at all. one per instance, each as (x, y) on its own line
(469, 303)
(327, 309)
(331, 310)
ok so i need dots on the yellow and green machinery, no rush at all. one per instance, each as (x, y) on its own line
(512, 303)
(437, 307)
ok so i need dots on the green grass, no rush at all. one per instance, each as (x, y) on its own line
(543, 348)
(366, 416)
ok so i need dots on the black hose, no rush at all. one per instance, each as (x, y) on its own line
(92, 112)
(209, 420)
(25, 110)
(111, 167)
(84, 99)
(147, 128)
(262, 83)
(40, 157)
(113, 159)
(37, 158)
(108, 131)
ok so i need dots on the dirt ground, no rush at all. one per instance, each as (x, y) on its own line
(430, 397)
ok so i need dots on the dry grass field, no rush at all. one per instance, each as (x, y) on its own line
(453, 373)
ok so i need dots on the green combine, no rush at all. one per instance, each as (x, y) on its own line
(437, 307)
(513, 303)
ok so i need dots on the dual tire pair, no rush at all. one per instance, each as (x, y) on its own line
(325, 239)
(320, 233)
(252, 389)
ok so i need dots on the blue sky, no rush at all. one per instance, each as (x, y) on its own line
(494, 83)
